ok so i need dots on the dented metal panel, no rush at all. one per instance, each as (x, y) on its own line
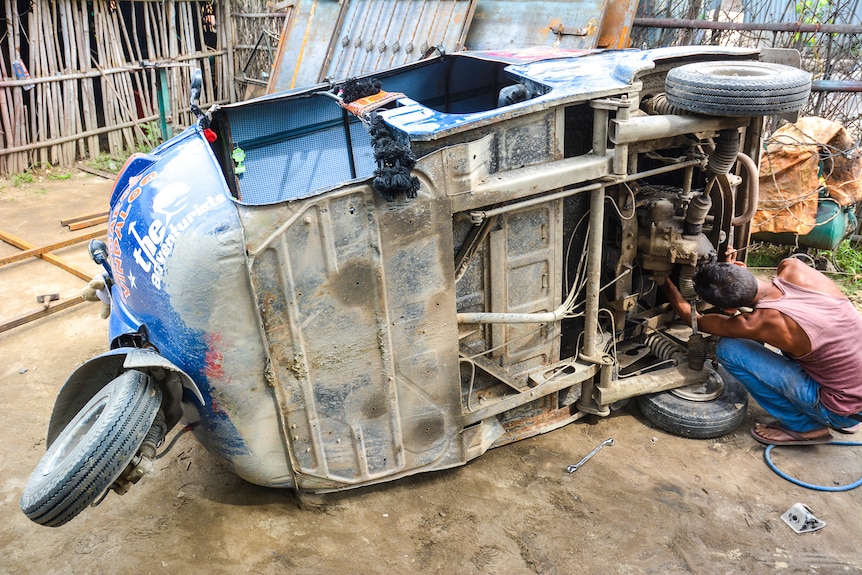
(358, 313)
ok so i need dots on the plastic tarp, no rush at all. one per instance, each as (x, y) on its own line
(792, 174)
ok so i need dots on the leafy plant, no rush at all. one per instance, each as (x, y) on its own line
(812, 12)
(23, 178)
(57, 176)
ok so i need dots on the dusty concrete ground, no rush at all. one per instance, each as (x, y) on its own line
(650, 504)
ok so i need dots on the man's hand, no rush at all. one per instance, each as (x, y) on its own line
(679, 304)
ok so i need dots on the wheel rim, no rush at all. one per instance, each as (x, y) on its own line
(707, 390)
(68, 441)
(739, 70)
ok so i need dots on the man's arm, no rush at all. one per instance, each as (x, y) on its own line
(763, 325)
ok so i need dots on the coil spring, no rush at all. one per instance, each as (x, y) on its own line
(661, 346)
(660, 105)
(723, 157)
(155, 436)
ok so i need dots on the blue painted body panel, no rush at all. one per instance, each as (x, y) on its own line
(176, 247)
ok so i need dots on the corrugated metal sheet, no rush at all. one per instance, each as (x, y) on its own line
(327, 39)
(379, 34)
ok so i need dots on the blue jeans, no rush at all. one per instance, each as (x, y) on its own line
(779, 385)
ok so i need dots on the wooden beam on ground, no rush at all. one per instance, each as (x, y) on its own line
(19, 243)
(35, 252)
(104, 174)
(78, 219)
(101, 219)
(42, 312)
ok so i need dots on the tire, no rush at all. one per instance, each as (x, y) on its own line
(738, 89)
(698, 419)
(92, 450)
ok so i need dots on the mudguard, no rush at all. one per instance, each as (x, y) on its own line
(95, 373)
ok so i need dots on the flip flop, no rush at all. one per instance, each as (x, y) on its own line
(848, 430)
(796, 438)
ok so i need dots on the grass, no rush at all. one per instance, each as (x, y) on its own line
(19, 180)
(58, 176)
(848, 260)
(845, 260)
(107, 162)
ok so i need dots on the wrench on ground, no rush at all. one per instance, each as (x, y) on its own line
(573, 468)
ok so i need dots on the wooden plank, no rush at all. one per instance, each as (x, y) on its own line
(19, 243)
(88, 223)
(95, 172)
(79, 219)
(42, 312)
(35, 252)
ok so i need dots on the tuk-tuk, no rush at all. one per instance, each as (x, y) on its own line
(354, 282)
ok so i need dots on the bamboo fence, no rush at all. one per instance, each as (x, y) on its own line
(95, 65)
(94, 75)
(257, 28)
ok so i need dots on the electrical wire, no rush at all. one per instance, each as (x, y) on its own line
(767, 455)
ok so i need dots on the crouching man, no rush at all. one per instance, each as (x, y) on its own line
(815, 383)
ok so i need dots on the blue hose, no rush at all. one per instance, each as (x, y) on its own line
(848, 487)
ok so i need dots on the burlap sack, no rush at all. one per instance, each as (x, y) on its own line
(790, 177)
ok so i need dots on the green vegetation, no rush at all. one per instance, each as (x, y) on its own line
(812, 12)
(843, 264)
(107, 162)
(848, 260)
(58, 176)
(23, 178)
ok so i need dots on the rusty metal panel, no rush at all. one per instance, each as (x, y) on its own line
(617, 26)
(380, 34)
(508, 24)
(525, 278)
(340, 40)
(356, 304)
(328, 39)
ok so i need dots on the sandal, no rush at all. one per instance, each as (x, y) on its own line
(795, 437)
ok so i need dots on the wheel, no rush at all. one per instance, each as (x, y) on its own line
(738, 89)
(691, 412)
(92, 450)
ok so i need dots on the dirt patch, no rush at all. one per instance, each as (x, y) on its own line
(650, 504)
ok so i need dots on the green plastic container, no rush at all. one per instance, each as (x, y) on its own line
(834, 223)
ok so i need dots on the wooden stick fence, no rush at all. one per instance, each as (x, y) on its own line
(94, 69)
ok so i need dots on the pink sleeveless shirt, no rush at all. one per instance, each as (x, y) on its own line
(834, 328)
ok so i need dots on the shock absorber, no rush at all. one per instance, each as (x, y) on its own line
(696, 341)
(142, 463)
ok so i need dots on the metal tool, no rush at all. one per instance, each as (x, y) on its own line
(573, 468)
(47, 298)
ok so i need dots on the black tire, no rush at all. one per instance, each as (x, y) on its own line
(698, 419)
(738, 89)
(92, 450)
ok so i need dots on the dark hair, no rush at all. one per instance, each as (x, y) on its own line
(725, 285)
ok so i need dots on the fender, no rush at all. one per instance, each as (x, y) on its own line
(97, 372)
